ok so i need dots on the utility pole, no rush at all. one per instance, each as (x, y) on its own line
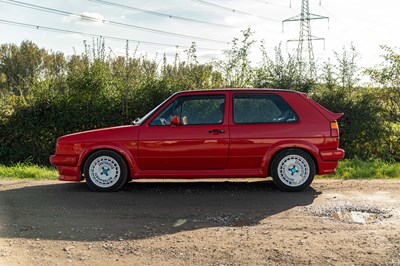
(305, 52)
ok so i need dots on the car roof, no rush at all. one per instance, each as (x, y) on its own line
(241, 89)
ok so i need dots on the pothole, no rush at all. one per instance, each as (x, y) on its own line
(358, 217)
(352, 214)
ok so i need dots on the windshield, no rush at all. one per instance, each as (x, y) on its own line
(144, 118)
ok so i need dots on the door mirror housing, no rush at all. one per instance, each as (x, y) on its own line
(175, 120)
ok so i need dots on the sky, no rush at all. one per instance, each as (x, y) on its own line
(366, 24)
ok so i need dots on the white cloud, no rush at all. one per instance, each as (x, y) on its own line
(85, 18)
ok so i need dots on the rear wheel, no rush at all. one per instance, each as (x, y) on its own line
(106, 170)
(293, 170)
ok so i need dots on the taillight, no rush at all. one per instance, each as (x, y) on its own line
(334, 129)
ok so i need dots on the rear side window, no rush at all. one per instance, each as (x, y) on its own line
(262, 108)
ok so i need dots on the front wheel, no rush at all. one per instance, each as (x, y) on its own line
(105, 170)
(293, 170)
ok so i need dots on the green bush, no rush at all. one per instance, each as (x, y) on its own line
(362, 128)
(44, 95)
(92, 91)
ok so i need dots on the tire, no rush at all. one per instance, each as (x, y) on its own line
(106, 170)
(293, 170)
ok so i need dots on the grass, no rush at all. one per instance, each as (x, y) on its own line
(27, 171)
(358, 169)
(347, 169)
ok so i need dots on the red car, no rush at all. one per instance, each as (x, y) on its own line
(224, 133)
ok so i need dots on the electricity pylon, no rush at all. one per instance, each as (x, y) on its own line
(305, 52)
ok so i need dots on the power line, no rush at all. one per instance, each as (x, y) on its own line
(114, 23)
(44, 28)
(231, 10)
(159, 14)
(269, 3)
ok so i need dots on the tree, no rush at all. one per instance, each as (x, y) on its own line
(385, 84)
(21, 67)
(364, 130)
(385, 78)
(236, 68)
(347, 68)
(281, 73)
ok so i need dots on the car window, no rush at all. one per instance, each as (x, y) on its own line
(193, 110)
(261, 108)
(149, 114)
(164, 117)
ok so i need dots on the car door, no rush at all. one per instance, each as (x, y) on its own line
(199, 142)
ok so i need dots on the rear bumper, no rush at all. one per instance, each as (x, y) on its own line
(332, 155)
(67, 166)
(329, 161)
(326, 168)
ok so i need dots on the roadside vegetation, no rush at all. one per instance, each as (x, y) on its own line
(359, 169)
(28, 171)
(347, 169)
(46, 94)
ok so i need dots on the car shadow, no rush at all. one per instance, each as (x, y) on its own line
(70, 211)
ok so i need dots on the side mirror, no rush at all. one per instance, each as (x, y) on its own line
(134, 122)
(175, 120)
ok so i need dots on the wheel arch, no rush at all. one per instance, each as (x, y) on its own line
(274, 150)
(123, 152)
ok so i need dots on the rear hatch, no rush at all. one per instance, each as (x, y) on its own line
(331, 116)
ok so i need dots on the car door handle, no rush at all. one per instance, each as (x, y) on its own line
(216, 131)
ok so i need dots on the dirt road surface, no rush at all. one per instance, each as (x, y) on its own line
(334, 222)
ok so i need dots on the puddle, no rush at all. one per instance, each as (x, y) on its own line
(358, 217)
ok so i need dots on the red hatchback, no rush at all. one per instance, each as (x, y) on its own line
(225, 133)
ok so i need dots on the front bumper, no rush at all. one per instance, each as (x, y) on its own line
(67, 166)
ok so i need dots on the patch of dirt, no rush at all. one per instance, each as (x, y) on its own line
(246, 222)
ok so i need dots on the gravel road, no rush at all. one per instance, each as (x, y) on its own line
(334, 222)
